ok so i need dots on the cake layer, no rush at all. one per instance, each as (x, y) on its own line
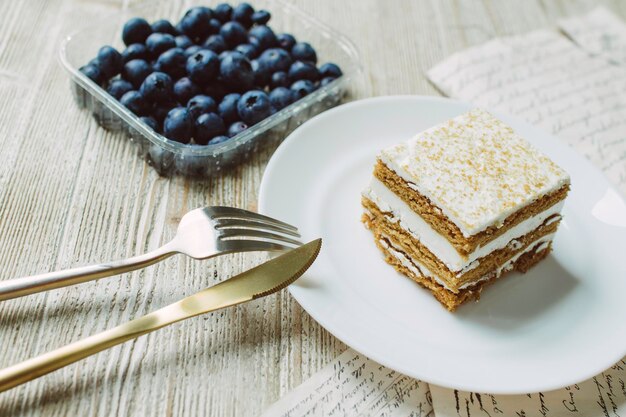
(434, 217)
(398, 211)
(418, 267)
(452, 300)
(476, 170)
(383, 227)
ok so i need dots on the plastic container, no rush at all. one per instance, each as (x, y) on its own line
(169, 157)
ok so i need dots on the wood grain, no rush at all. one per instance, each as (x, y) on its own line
(72, 193)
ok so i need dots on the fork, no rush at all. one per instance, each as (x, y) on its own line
(201, 234)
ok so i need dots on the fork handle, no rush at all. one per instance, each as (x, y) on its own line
(19, 287)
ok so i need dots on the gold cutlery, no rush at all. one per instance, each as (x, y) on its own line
(257, 282)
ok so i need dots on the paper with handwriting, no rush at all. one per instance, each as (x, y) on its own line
(603, 395)
(551, 82)
(353, 385)
(600, 33)
(575, 87)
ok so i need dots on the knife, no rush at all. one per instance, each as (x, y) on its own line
(257, 282)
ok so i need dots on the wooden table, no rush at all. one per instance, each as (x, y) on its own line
(72, 193)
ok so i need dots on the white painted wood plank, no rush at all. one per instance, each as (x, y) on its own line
(72, 193)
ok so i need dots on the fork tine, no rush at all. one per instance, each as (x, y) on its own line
(251, 246)
(236, 213)
(222, 223)
(232, 233)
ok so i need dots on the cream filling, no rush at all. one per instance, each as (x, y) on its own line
(412, 265)
(544, 242)
(421, 271)
(555, 218)
(466, 230)
(397, 211)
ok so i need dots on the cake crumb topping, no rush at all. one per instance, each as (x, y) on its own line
(476, 169)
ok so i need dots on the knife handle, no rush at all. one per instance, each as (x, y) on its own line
(43, 364)
(254, 283)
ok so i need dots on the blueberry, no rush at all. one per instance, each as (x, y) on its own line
(192, 50)
(172, 62)
(157, 43)
(223, 12)
(118, 87)
(94, 62)
(253, 107)
(216, 90)
(302, 88)
(279, 79)
(151, 122)
(208, 125)
(233, 33)
(163, 26)
(215, 43)
(214, 26)
(195, 23)
(254, 42)
(136, 30)
(135, 71)
(286, 41)
(93, 72)
(280, 97)
(183, 41)
(218, 139)
(249, 50)
(110, 61)
(179, 28)
(157, 87)
(302, 51)
(261, 17)
(236, 71)
(135, 51)
(203, 66)
(303, 71)
(223, 54)
(264, 35)
(161, 159)
(242, 13)
(201, 104)
(326, 80)
(178, 125)
(134, 101)
(192, 164)
(236, 128)
(159, 111)
(276, 59)
(262, 73)
(227, 108)
(184, 89)
(330, 70)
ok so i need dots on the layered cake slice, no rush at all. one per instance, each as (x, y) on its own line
(462, 203)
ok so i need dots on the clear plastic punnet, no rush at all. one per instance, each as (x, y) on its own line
(169, 157)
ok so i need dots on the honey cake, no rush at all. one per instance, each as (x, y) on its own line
(462, 203)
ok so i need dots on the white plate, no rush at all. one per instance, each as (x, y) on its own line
(561, 323)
